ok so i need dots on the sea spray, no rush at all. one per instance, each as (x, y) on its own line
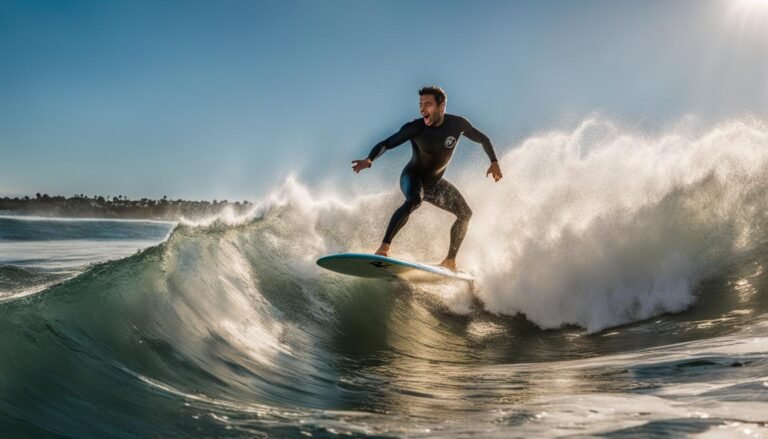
(598, 226)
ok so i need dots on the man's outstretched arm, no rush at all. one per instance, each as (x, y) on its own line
(406, 132)
(475, 135)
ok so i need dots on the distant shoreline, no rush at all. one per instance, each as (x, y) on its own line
(118, 207)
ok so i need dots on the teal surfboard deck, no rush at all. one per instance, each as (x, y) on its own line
(382, 267)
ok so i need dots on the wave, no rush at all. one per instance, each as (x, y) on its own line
(591, 229)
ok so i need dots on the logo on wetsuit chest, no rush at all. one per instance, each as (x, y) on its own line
(450, 142)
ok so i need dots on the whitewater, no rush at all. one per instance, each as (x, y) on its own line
(621, 291)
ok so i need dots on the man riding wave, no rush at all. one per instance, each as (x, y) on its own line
(433, 138)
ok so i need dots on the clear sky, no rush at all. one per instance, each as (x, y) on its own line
(224, 99)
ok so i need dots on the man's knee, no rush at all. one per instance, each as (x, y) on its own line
(412, 203)
(465, 214)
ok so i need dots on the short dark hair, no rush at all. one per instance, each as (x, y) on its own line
(435, 91)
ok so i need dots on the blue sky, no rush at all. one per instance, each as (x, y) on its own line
(224, 99)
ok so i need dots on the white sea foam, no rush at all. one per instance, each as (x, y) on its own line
(598, 226)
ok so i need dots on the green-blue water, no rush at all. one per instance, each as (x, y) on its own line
(213, 332)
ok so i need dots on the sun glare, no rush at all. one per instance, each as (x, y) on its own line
(750, 16)
(751, 6)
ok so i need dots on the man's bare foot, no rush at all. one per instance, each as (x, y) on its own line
(449, 264)
(383, 250)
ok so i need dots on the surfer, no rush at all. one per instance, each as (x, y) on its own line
(433, 139)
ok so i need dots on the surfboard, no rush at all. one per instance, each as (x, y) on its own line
(382, 267)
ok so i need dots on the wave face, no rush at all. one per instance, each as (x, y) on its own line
(622, 269)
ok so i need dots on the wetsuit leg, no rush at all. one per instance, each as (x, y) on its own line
(413, 189)
(445, 196)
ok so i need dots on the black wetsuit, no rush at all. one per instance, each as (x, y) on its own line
(422, 179)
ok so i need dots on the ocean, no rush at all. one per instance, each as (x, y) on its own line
(621, 292)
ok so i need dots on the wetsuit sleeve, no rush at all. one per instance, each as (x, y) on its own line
(475, 135)
(406, 132)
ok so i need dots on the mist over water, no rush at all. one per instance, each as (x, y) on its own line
(620, 276)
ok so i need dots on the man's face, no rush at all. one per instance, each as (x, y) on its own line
(430, 111)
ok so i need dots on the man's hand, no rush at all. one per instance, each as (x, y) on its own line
(494, 171)
(359, 165)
